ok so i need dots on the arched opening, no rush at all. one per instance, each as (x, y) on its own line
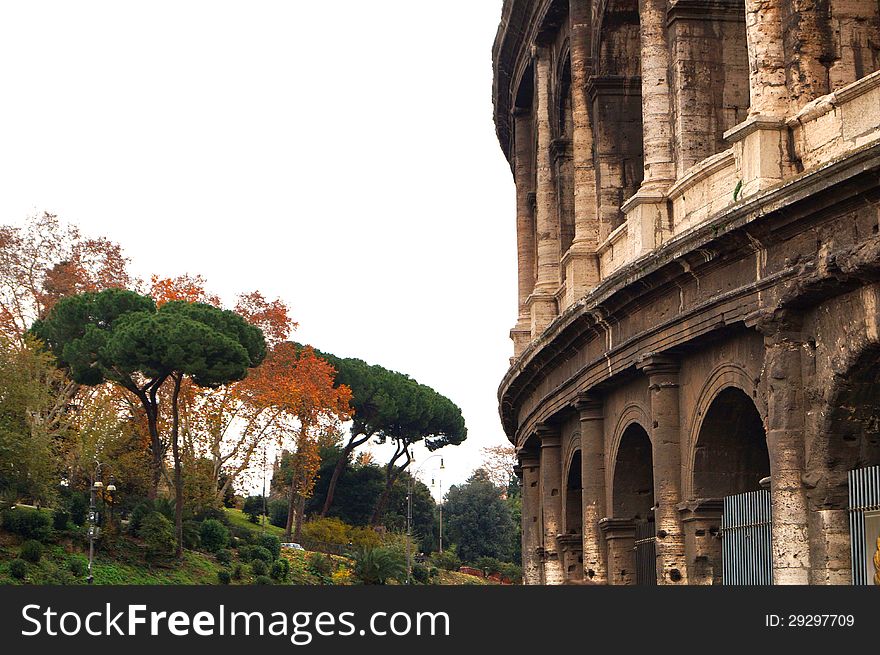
(631, 558)
(730, 458)
(562, 157)
(616, 96)
(845, 459)
(710, 77)
(572, 540)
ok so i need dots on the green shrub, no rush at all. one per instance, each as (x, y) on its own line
(375, 566)
(258, 567)
(271, 543)
(321, 565)
(278, 513)
(280, 569)
(263, 580)
(237, 572)
(78, 566)
(261, 553)
(420, 573)
(512, 572)
(215, 535)
(223, 576)
(191, 537)
(253, 507)
(446, 560)
(60, 518)
(78, 508)
(224, 556)
(158, 535)
(18, 569)
(31, 551)
(489, 565)
(27, 523)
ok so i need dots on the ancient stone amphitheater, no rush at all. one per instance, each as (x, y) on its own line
(694, 390)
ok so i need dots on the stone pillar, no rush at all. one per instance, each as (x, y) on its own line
(662, 372)
(768, 94)
(529, 462)
(760, 143)
(656, 106)
(542, 302)
(580, 262)
(593, 486)
(620, 535)
(524, 177)
(572, 559)
(647, 212)
(701, 520)
(783, 345)
(551, 502)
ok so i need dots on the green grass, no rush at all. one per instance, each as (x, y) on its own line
(239, 519)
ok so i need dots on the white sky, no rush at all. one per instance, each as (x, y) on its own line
(340, 155)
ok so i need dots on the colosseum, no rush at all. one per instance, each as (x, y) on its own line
(694, 392)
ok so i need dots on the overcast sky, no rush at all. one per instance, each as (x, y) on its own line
(340, 155)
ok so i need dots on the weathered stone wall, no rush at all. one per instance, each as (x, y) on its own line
(698, 217)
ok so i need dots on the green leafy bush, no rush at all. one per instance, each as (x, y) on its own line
(27, 523)
(327, 531)
(78, 506)
(420, 573)
(192, 539)
(278, 513)
(446, 560)
(224, 556)
(280, 569)
(261, 553)
(253, 507)
(158, 535)
(31, 551)
(263, 580)
(60, 518)
(271, 543)
(215, 535)
(237, 572)
(258, 567)
(78, 566)
(18, 569)
(223, 576)
(321, 565)
(375, 566)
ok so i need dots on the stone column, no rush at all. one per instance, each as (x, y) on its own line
(760, 143)
(581, 263)
(701, 521)
(647, 212)
(662, 372)
(542, 302)
(529, 462)
(768, 94)
(551, 502)
(783, 345)
(656, 106)
(620, 535)
(593, 485)
(524, 177)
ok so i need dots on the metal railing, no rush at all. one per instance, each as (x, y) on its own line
(746, 546)
(864, 496)
(646, 554)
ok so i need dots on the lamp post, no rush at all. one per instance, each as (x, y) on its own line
(94, 519)
(440, 486)
(409, 495)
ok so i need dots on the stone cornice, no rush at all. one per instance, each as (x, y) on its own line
(683, 256)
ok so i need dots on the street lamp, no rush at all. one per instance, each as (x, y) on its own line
(409, 496)
(94, 518)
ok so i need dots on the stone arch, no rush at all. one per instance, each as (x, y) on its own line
(724, 376)
(632, 413)
(633, 476)
(573, 510)
(615, 93)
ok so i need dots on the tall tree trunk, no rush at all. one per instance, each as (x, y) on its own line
(339, 469)
(392, 472)
(300, 513)
(291, 506)
(178, 474)
(155, 451)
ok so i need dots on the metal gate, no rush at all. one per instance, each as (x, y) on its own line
(864, 522)
(646, 554)
(746, 546)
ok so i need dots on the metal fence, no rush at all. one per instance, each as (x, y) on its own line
(747, 555)
(864, 497)
(646, 554)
